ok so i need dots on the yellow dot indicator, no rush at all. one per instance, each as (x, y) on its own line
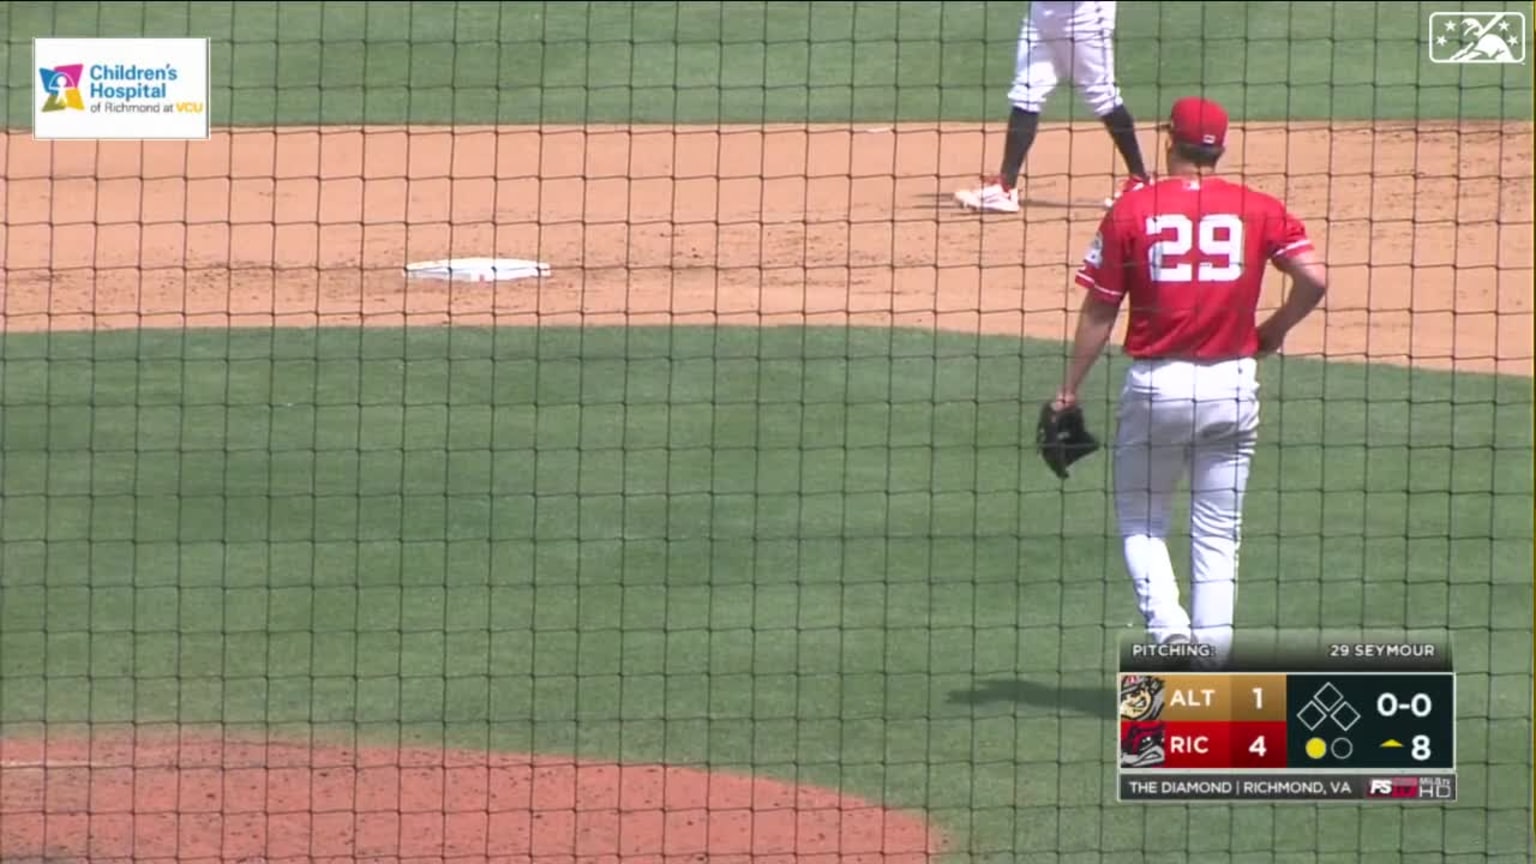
(1316, 748)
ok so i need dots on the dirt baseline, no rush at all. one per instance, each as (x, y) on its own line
(1427, 228)
(157, 799)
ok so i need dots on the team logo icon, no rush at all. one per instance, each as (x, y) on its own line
(1141, 697)
(1141, 704)
(1477, 37)
(1142, 745)
(62, 84)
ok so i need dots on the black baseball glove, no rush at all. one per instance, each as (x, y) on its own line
(1062, 437)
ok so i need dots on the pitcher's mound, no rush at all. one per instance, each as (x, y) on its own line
(155, 801)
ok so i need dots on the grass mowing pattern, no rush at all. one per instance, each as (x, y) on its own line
(822, 555)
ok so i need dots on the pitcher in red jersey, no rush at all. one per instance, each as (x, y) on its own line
(1189, 253)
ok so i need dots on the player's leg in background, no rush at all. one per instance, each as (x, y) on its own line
(1035, 77)
(1227, 431)
(1151, 454)
(1093, 74)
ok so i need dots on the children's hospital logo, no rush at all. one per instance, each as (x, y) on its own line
(1477, 37)
(62, 84)
(120, 89)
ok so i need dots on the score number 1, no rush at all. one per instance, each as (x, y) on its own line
(1420, 706)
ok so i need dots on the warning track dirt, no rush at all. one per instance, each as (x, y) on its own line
(163, 798)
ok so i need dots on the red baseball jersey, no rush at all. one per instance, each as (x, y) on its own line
(1190, 254)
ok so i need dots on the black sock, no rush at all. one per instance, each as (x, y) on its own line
(1122, 128)
(1022, 126)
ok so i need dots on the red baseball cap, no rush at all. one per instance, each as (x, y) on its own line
(1198, 122)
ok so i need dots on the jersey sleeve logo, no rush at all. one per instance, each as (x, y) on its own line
(1094, 257)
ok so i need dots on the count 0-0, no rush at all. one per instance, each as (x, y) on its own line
(1419, 705)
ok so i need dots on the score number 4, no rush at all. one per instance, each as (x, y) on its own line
(1218, 239)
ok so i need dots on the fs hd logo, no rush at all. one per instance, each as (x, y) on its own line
(62, 84)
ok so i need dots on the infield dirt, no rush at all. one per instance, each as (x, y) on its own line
(162, 797)
(1427, 229)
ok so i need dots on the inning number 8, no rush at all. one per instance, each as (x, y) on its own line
(1220, 236)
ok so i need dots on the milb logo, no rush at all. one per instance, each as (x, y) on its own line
(1477, 37)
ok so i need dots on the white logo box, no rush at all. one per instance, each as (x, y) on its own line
(1477, 37)
(120, 89)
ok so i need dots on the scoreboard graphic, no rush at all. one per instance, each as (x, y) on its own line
(1347, 720)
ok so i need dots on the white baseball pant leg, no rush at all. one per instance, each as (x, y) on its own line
(1074, 41)
(1034, 68)
(1176, 417)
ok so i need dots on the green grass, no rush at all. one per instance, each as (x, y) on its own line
(520, 62)
(826, 555)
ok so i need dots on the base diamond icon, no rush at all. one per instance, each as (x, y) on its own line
(1346, 716)
(1311, 716)
(1328, 696)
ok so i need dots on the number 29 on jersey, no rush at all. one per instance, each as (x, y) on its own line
(1183, 250)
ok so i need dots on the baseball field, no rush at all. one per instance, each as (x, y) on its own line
(726, 541)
